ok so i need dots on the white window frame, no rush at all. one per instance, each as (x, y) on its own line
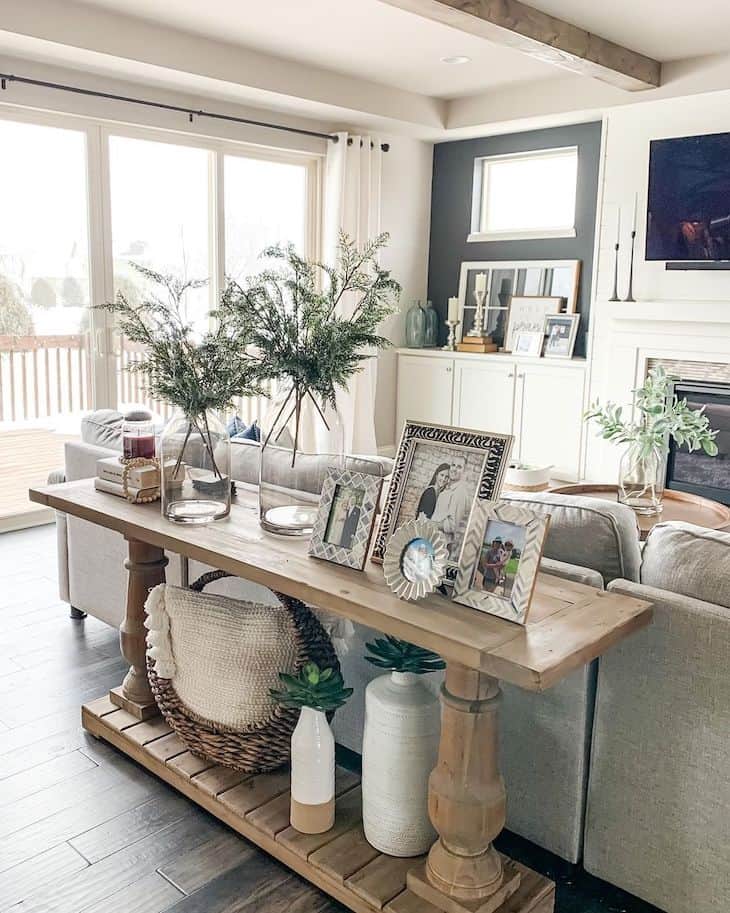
(97, 133)
(480, 195)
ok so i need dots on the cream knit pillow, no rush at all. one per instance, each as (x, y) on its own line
(222, 655)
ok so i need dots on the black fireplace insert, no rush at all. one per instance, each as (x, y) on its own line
(696, 472)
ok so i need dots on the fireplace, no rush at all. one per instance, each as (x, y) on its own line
(696, 472)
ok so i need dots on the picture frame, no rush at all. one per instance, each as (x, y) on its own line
(560, 334)
(505, 278)
(438, 473)
(500, 559)
(528, 343)
(528, 312)
(415, 559)
(345, 520)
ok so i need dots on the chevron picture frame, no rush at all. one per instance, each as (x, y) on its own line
(348, 507)
(500, 559)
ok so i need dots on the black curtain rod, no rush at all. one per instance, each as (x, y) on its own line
(5, 78)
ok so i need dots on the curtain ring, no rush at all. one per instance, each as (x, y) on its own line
(349, 140)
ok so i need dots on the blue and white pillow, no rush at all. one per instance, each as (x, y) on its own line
(238, 430)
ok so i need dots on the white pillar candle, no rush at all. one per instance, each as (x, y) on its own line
(453, 313)
(618, 226)
(636, 204)
(480, 284)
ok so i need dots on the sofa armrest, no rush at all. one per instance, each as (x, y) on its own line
(81, 459)
(573, 572)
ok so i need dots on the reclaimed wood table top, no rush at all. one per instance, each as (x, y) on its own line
(570, 623)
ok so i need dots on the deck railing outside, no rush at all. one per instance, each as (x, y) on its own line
(42, 376)
(46, 376)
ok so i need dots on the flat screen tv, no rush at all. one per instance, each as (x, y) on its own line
(688, 214)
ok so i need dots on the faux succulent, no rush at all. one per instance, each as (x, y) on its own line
(400, 656)
(659, 417)
(320, 689)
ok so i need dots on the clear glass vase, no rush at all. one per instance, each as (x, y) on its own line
(431, 339)
(195, 454)
(641, 479)
(416, 326)
(300, 439)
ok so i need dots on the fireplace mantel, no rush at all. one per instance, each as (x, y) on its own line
(685, 311)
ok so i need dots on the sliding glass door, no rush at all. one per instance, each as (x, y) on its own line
(82, 202)
(46, 348)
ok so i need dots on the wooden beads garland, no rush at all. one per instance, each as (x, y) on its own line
(133, 463)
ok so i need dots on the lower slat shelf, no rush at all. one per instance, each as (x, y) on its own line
(340, 863)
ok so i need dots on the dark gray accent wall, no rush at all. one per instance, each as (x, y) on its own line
(451, 200)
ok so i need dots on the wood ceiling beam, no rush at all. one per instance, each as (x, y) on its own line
(514, 24)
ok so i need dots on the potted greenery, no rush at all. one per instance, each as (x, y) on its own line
(316, 692)
(400, 747)
(310, 326)
(659, 416)
(200, 377)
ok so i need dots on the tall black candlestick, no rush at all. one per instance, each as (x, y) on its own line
(615, 296)
(630, 295)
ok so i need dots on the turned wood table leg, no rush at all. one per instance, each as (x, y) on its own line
(466, 802)
(146, 567)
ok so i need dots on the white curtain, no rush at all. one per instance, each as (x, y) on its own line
(352, 203)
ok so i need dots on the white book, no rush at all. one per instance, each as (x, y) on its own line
(115, 488)
(111, 470)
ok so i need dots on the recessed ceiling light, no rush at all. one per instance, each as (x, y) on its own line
(455, 60)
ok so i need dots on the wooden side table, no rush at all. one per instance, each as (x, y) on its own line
(678, 505)
(571, 625)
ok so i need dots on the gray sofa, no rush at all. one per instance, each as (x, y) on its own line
(658, 820)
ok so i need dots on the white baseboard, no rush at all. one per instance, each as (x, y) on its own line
(40, 517)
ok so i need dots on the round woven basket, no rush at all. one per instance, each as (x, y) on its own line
(265, 745)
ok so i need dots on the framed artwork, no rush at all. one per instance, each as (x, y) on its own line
(528, 313)
(500, 560)
(560, 333)
(348, 506)
(415, 559)
(529, 342)
(438, 473)
(551, 278)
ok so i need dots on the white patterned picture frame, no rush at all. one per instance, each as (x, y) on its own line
(356, 556)
(515, 606)
(402, 586)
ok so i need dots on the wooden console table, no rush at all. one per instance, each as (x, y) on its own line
(571, 625)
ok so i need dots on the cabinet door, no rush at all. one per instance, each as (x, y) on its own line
(484, 396)
(549, 417)
(424, 390)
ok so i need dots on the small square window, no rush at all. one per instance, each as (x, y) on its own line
(525, 195)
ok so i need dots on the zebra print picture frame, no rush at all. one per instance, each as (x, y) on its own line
(439, 472)
(500, 559)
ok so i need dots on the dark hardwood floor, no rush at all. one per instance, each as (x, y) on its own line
(83, 829)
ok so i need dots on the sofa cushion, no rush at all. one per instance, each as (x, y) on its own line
(103, 428)
(310, 469)
(589, 532)
(688, 560)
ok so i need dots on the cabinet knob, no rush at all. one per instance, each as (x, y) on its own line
(511, 375)
(522, 375)
(448, 370)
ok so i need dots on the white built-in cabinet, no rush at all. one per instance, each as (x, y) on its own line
(539, 401)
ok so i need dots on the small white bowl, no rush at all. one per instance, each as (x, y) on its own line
(519, 475)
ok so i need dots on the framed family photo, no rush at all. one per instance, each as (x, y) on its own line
(415, 559)
(560, 332)
(529, 342)
(500, 560)
(348, 506)
(438, 474)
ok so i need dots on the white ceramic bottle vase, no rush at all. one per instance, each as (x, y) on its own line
(400, 748)
(312, 773)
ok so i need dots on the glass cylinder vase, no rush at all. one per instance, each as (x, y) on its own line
(300, 439)
(642, 476)
(195, 455)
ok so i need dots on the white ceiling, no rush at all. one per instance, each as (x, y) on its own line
(363, 38)
(662, 29)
